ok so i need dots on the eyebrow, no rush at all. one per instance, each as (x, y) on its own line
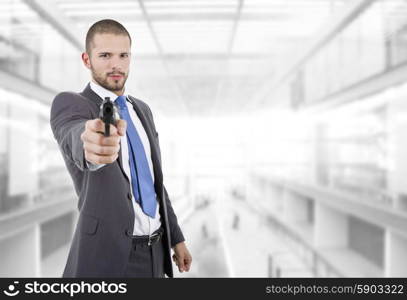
(99, 53)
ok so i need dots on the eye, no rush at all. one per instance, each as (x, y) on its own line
(124, 55)
(104, 55)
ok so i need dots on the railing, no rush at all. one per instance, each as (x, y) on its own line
(317, 262)
(29, 216)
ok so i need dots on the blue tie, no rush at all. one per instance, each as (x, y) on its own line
(142, 182)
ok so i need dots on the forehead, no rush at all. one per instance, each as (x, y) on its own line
(111, 42)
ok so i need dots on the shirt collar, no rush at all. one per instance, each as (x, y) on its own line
(102, 92)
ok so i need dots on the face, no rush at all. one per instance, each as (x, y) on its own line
(109, 61)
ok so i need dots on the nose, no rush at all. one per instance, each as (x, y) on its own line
(115, 63)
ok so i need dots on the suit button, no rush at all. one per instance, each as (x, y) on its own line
(128, 232)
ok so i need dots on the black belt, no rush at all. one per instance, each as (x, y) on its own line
(148, 240)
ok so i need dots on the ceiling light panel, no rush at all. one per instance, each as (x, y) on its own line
(193, 37)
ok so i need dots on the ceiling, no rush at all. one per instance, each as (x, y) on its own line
(202, 57)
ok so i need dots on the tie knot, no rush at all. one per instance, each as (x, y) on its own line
(121, 102)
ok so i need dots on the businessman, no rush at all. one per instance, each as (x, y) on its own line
(126, 226)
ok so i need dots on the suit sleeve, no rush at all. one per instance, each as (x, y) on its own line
(176, 233)
(69, 114)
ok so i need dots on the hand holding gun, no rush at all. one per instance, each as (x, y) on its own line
(101, 137)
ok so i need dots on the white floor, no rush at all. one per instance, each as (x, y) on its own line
(228, 239)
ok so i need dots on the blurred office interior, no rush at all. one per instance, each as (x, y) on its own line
(282, 128)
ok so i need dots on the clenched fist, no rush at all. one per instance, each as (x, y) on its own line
(98, 148)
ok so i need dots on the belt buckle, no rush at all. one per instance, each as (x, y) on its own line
(150, 239)
(153, 236)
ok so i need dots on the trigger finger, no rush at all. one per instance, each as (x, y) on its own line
(113, 130)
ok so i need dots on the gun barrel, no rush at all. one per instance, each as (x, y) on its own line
(107, 114)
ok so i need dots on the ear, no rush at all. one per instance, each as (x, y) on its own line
(86, 59)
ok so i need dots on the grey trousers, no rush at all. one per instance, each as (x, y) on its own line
(146, 261)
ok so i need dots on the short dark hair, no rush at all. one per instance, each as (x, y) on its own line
(105, 26)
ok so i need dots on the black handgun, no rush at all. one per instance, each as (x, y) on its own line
(108, 114)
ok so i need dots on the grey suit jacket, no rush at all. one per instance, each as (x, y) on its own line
(102, 238)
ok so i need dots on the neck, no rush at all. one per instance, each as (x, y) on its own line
(118, 93)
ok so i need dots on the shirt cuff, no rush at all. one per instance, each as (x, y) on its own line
(94, 167)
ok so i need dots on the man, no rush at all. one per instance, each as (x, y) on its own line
(126, 225)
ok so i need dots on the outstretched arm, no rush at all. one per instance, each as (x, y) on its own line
(80, 138)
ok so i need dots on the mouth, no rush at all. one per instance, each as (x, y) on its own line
(116, 76)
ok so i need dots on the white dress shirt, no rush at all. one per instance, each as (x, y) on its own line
(143, 224)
